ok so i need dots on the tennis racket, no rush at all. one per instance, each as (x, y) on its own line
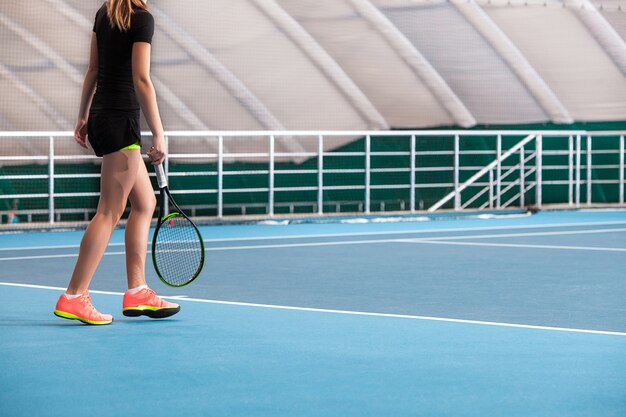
(177, 246)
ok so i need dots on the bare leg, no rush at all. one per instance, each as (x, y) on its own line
(119, 171)
(142, 204)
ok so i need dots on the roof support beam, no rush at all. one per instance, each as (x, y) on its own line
(416, 61)
(516, 61)
(41, 103)
(183, 112)
(227, 78)
(329, 67)
(209, 62)
(45, 50)
(604, 33)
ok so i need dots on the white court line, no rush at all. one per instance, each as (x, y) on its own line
(224, 248)
(52, 247)
(516, 245)
(565, 232)
(66, 255)
(345, 312)
(302, 245)
(331, 235)
(352, 242)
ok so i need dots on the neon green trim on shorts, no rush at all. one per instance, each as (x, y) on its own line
(130, 147)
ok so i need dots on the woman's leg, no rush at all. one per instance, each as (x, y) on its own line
(119, 172)
(141, 301)
(142, 204)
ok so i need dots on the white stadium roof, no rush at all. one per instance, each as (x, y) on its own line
(333, 64)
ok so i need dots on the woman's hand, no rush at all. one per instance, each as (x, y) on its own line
(157, 151)
(80, 133)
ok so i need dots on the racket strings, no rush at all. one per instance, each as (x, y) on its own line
(178, 250)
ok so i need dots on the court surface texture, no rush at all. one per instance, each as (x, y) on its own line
(521, 315)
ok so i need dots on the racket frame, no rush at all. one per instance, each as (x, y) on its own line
(164, 190)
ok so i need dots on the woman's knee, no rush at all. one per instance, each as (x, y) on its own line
(111, 214)
(151, 203)
(144, 205)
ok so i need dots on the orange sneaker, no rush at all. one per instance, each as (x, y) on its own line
(147, 303)
(80, 308)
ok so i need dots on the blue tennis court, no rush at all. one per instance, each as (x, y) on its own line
(520, 315)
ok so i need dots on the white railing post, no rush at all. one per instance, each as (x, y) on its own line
(412, 182)
(368, 172)
(570, 163)
(271, 179)
(577, 181)
(498, 171)
(621, 169)
(491, 188)
(51, 179)
(522, 178)
(220, 176)
(320, 175)
(589, 170)
(539, 164)
(457, 194)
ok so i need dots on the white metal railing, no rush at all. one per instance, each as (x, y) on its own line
(497, 163)
(507, 176)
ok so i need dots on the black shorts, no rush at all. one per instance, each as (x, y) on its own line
(113, 130)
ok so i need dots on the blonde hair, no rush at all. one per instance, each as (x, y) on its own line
(120, 12)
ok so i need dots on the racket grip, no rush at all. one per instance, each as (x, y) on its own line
(160, 175)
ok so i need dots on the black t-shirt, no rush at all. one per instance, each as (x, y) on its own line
(115, 89)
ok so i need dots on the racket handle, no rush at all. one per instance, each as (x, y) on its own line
(160, 175)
